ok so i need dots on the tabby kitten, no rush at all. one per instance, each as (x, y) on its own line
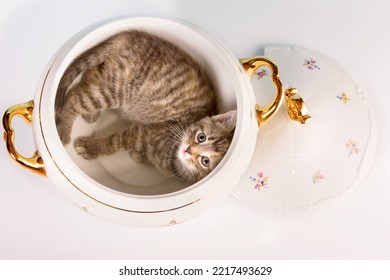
(167, 99)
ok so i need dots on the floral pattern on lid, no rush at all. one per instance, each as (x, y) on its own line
(352, 147)
(262, 73)
(260, 180)
(336, 143)
(343, 97)
(317, 177)
(311, 64)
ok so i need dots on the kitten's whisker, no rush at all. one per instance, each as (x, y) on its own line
(171, 133)
(181, 127)
(180, 173)
(174, 131)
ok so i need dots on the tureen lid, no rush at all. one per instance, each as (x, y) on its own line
(298, 167)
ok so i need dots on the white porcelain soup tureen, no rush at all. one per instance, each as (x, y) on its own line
(284, 167)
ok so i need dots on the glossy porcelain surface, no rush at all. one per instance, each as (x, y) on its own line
(297, 168)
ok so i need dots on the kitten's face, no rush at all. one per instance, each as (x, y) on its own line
(203, 146)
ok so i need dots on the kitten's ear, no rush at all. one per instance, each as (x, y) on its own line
(227, 120)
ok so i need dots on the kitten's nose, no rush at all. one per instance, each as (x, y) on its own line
(188, 151)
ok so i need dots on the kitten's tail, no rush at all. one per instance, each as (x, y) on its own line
(90, 58)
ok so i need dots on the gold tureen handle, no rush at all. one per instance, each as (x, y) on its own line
(24, 110)
(251, 64)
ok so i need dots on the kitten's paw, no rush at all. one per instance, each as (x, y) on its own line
(64, 131)
(65, 137)
(91, 118)
(83, 147)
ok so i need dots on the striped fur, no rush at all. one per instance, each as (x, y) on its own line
(158, 88)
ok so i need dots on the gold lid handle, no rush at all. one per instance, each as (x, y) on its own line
(296, 107)
(24, 110)
(264, 114)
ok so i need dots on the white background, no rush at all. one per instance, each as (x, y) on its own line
(37, 222)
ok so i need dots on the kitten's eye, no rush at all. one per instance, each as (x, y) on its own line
(205, 161)
(201, 137)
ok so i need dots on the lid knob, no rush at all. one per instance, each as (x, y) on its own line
(296, 107)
